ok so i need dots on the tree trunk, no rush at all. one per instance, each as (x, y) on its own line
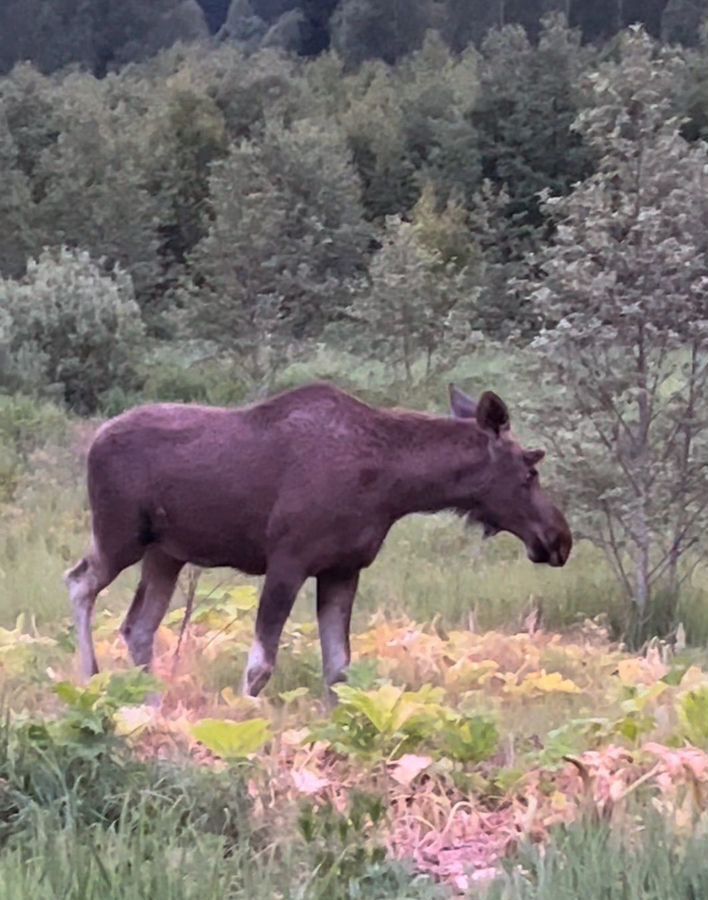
(642, 453)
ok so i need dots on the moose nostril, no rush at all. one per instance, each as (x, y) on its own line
(561, 550)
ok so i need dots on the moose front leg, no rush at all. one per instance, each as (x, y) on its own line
(335, 598)
(282, 583)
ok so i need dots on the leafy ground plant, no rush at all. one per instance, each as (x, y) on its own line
(388, 722)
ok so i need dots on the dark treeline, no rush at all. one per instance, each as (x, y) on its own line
(102, 35)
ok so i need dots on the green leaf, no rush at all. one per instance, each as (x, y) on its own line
(693, 714)
(232, 740)
(289, 696)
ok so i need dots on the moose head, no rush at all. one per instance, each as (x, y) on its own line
(511, 497)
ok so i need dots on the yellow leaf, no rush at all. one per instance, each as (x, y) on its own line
(238, 701)
(641, 671)
(544, 683)
(466, 673)
(692, 678)
(559, 801)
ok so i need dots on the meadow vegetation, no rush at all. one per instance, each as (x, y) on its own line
(490, 712)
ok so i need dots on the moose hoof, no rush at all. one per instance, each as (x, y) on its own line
(256, 679)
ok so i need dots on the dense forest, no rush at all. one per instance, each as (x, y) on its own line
(102, 35)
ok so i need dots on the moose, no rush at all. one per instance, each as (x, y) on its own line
(305, 484)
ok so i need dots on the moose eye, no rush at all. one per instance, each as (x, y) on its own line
(531, 477)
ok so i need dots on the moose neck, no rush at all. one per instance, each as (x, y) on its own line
(437, 464)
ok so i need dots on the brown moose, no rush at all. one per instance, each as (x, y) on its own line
(305, 484)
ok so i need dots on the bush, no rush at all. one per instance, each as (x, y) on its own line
(25, 426)
(74, 332)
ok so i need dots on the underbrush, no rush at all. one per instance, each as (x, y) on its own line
(447, 753)
(83, 816)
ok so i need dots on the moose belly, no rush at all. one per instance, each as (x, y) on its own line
(218, 532)
(346, 552)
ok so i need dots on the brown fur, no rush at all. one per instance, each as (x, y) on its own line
(305, 484)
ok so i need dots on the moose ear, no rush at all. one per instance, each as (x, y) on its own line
(533, 457)
(492, 414)
(462, 406)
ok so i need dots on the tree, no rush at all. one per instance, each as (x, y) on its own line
(467, 22)
(90, 184)
(49, 34)
(29, 108)
(438, 92)
(242, 25)
(215, 13)
(379, 29)
(444, 230)
(410, 125)
(15, 206)
(623, 294)
(95, 34)
(414, 306)
(186, 134)
(287, 236)
(500, 242)
(529, 98)
(70, 330)
(681, 21)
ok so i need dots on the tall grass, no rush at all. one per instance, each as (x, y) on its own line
(433, 567)
(590, 861)
(430, 568)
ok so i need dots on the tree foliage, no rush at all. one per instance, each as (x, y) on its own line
(416, 305)
(69, 330)
(623, 294)
(529, 99)
(287, 235)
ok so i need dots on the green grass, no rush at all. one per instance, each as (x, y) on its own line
(433, 567)
(591, 861)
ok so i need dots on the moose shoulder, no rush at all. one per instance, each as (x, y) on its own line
(305, 484)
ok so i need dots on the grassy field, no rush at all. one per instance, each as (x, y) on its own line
(474, 752)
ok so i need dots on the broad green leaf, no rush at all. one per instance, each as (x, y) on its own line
(232, 740)
(295, 694)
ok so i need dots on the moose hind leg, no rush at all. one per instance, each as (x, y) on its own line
(281, 586)
(152, 598)
(335, 598)
(84, 581)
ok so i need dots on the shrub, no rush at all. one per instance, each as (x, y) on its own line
(74, 331)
